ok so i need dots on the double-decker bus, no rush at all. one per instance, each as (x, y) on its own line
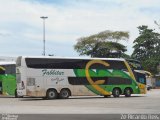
(7, 78)
(60, 77)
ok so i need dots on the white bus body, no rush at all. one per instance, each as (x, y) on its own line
(43, 81)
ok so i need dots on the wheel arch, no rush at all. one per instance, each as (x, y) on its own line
(51, 89)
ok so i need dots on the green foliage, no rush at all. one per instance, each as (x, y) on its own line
(147, 48)
(151, 65)
(103, 44)
(123, 55)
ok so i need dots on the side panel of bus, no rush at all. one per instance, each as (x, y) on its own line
(105, 81)
(40, 80)
(8, 84)
(7, 79)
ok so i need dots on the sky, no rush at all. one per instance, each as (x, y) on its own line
(21, 28)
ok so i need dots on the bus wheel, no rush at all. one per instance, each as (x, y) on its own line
(127, 92)
(64, 93)
(51, 94)
(116, 92)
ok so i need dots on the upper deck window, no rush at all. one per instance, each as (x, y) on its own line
(44, 63)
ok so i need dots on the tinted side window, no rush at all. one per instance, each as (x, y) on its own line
(10, 69)
(141, 78)
(113, 64)
(108, 80)
(2, 71)
(55, 63)
(70, 64)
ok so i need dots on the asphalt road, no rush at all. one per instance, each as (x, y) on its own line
(141, 104)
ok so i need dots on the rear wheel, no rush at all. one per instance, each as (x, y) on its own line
(116, 92)
(127, 92)
(51, 94)
(64, 93)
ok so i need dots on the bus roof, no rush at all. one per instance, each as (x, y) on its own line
(7, 62)
(86, 58)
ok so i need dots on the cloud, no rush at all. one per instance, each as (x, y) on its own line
(69, 20)
(4, 33)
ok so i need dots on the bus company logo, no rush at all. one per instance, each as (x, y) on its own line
(96, 84)
(46, 72)
(9, 117)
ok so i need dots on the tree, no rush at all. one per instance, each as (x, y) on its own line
(103, 44)
(147, 48)
(157, 24)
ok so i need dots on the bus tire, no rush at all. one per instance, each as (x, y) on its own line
(116, 92)
(64, 93)
(127, 92)
(51, 94)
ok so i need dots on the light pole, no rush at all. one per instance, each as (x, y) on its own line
(44, 17)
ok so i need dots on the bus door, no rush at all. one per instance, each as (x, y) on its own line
(1, 87)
